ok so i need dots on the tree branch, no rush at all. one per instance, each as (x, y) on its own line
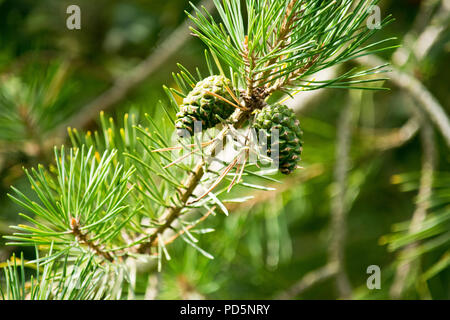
(338, 206)
(82, 238)
(193, 180)
(423, 203)
(419, 92)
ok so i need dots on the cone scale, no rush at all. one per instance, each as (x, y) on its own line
(200, 105)
(283, 119)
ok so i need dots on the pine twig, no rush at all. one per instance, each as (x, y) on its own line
(217, 182)
(283, 36)
(181, 232)
(288, 81)
(82, 238)
(193, 180)
(249, 62)
(252, 102)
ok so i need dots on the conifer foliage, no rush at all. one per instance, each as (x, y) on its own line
(118, 197)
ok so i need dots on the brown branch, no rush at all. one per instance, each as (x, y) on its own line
(287, 22)
(83, 238)
(286, 27)
(193, 180)
(181, 232)
(217, 182)
(309, 173)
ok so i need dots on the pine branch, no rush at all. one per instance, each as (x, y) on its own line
(289, 81)
(83, 238)
(249, 62)
(281, 37)
(87, 197)
(172, 213)
(94, 195)
(244, 51)
(81, 279)
(288, 41)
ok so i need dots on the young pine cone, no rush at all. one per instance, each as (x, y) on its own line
(290, 145)
(201, 105)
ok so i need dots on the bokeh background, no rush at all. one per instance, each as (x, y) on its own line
(366, 160)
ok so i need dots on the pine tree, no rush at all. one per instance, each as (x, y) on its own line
(117, 198)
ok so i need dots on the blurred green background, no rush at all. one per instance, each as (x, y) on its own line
(48, 74)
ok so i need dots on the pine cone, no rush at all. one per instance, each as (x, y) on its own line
(199, 105)
(290, 145)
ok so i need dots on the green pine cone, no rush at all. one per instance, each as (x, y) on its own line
(290, 144)
(200, 105)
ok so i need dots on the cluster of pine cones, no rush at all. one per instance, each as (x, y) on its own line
(203, 105)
